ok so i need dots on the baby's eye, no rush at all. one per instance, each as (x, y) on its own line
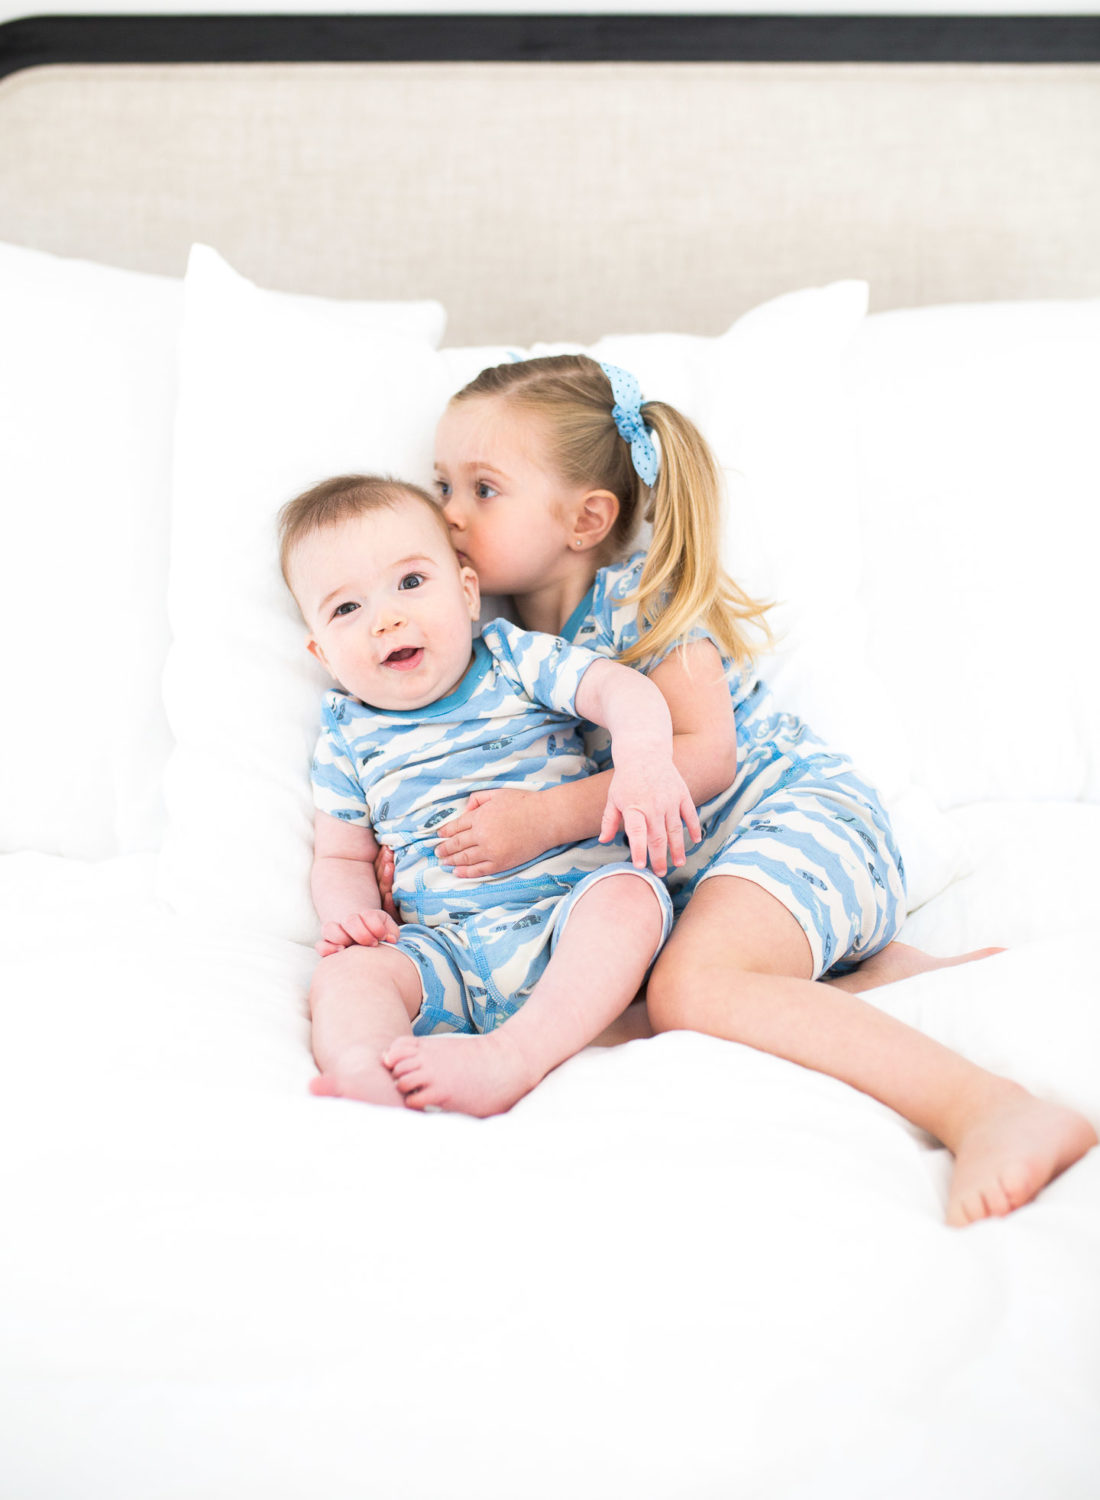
(483, 490)
(411, 581)
(344, 609)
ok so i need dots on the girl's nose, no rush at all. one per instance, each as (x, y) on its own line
(452, 514)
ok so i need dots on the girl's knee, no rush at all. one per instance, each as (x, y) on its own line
(689, 991)
(672, 993)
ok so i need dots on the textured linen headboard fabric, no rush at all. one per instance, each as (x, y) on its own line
(565, 196)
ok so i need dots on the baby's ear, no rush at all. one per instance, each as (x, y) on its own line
(471, 587)
(314, 649)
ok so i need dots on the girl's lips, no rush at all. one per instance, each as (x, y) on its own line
(407, 659)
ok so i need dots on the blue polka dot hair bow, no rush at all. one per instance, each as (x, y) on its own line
(627, 413)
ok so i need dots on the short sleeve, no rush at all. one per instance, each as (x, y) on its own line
(337, 789)
(546, 667)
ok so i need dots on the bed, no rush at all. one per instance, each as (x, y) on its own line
(237, 254)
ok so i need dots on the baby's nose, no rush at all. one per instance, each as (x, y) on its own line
(388, 618)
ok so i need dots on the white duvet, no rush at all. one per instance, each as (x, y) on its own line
(678, 1269)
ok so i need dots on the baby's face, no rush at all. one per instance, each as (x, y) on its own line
(388, 606)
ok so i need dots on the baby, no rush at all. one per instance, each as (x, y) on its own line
(489, 985)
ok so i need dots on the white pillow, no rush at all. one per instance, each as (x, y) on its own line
(87, 392)
(979, 484)
(274, 398)
(87, 396)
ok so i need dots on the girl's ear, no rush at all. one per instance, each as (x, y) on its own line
(595, 515)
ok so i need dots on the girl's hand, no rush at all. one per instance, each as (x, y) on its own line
(383, 873)
(651, 803)
(496, 831)
(364, 929)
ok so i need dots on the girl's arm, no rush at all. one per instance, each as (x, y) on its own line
(345, 891)
(501, 829)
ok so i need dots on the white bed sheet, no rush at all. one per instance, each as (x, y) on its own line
(679, 1268)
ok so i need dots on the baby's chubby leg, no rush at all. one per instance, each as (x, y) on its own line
(360, 1000)
(587, 983)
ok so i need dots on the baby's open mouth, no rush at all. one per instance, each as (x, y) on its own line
(404, 658)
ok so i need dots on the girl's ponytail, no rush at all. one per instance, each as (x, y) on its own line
(683, 583)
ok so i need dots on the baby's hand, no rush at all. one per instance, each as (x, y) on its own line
(496, 830)
(364, 929)
(651, 803)
(383, 873)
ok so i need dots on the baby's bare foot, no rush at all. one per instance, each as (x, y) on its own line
(362, 1078)
(900, 961)
(473, 1075)
(1010, 1154)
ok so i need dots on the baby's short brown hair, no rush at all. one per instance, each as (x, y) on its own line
(340, 499)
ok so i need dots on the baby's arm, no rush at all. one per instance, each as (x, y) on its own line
(704, 741)
(498, 830)
(345, 891)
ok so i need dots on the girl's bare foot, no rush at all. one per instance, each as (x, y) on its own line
(1011, 1152)
(473, 1075)
(359, 1076)
(900, 961)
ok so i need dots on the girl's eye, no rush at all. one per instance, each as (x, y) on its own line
(344, 609)
(411, 581)
(444, 489)
(483, 490)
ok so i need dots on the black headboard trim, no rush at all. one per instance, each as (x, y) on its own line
(45, 40)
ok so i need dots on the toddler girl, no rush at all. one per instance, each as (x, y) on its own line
(545, 470)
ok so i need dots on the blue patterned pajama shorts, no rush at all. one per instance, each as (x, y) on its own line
(478, 969)
(804, 826)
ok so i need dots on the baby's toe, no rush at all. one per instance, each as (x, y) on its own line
(402, 1051)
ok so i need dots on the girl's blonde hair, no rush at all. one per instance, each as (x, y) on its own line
(683, 583)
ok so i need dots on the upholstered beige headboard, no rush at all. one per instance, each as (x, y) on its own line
(566, 198)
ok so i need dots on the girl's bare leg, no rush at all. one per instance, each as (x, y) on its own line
(586, 985)
(360, 1000)
(737, 966)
